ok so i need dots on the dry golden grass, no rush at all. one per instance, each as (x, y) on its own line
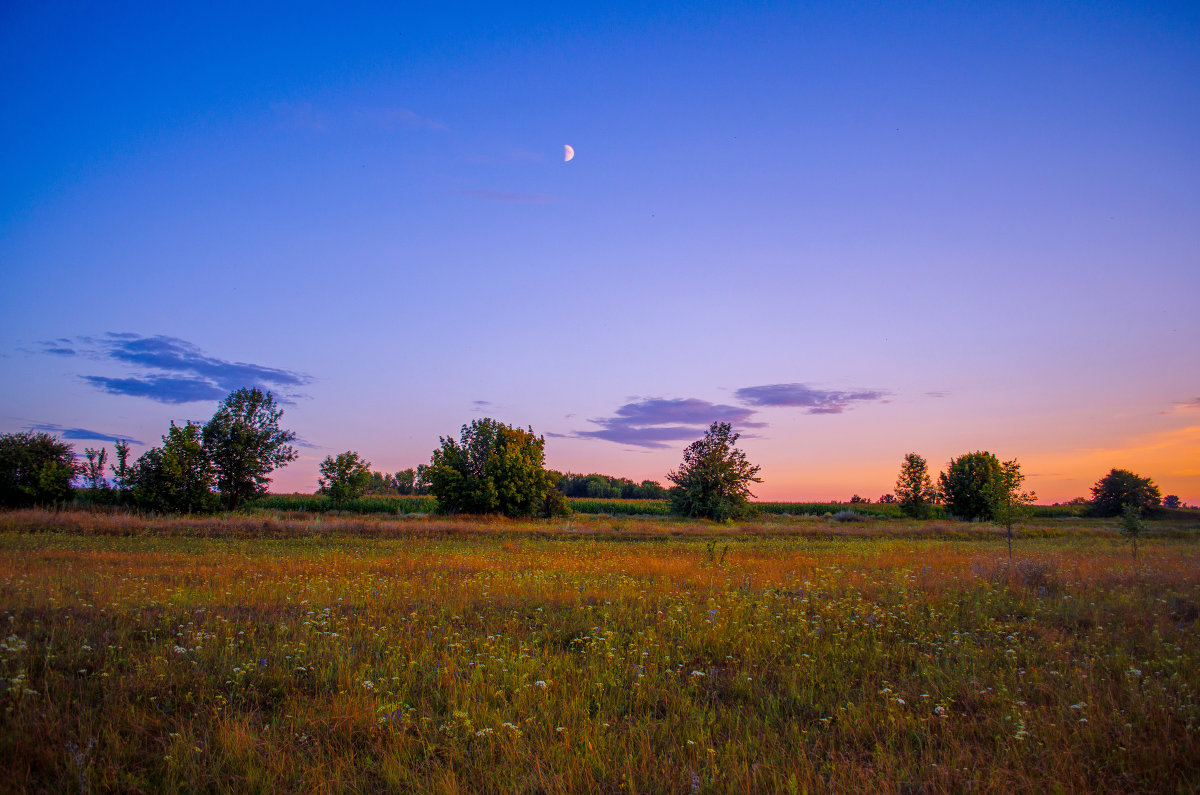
(445, 655)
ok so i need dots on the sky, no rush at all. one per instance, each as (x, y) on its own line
(853, 230)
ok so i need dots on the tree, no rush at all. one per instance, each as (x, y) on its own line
(966, 483)
(1119, 488)
(93, 470)
(245, 444)
(35, 469)
(406, 481)
(493, 468)
(1132, 526)
(1171, 501)
(714, 479)
(177, 477)
(345, 477)
(1006, 502)
(914, 488)
(122, 470)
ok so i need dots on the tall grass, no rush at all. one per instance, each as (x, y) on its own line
(620, 653)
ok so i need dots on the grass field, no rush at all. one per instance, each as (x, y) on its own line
(251, 653)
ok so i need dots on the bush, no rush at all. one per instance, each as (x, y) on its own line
(35, 469)
(1119, 488)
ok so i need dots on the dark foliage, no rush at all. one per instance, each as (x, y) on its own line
(493, 468)
(245, 444)
(1119, 488)
(35, 469)
(714, 479)
(965, 486)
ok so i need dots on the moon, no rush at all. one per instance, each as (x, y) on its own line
(568, 152)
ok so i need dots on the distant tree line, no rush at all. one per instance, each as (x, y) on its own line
(607, 487)
(490, 468)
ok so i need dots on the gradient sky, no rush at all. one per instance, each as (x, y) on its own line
(855, 230)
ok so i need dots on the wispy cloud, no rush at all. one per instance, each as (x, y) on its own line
(655, 421)
(504, 196)
(939, 393)
(171, 370)
(813, 400)
(82, 434)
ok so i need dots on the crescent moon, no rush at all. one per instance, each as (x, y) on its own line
(568, 152)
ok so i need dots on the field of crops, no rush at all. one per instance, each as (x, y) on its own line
(396, 504)
(251, 653)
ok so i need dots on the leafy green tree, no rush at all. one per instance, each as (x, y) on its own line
(492, 468)
(35, 469)
(345, 477)
(714, 479)
(245, 444)
(406, 481)
(122, 470)
(966, 485)
(1006, 502)
(177, 477)
(1132, 526)
(93, 469)
(1119, 488)
(914, 488)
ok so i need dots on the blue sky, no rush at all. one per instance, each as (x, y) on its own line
(854, 230)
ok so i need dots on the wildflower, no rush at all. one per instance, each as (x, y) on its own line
(180, 650)
(900, 701)
(697, 673)
(560, 728)
(368, 684)
(541, 683)
(940, 711)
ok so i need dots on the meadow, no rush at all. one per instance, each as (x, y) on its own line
(292, 651)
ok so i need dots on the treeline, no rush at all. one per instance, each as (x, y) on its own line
(414, 481)
(607, 487)
(197, 468)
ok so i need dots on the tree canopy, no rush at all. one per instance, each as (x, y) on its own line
(344, 477)
(177, 477)
(914, 487)
(35, 469)
(493, 468)
(714, 479)
(245, 444)
(965, 486)
(1119, 488)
